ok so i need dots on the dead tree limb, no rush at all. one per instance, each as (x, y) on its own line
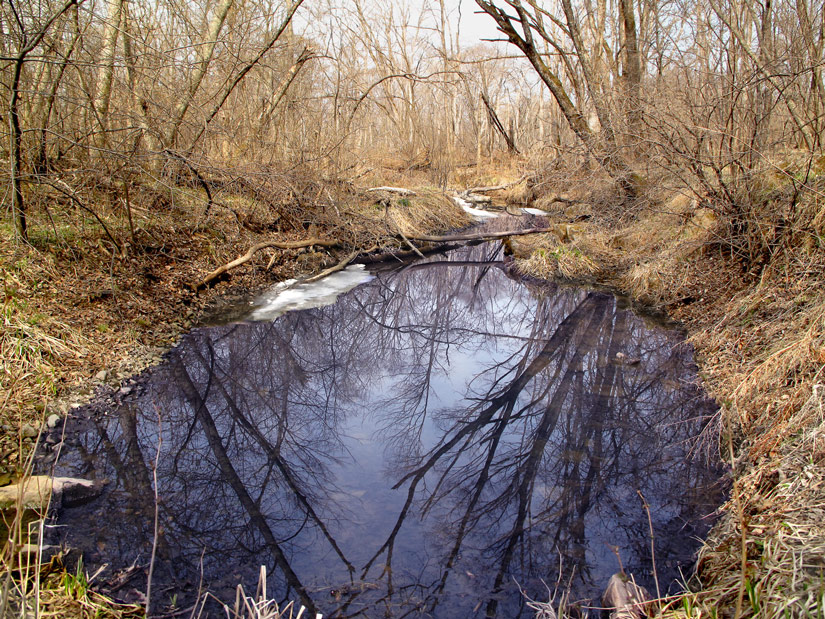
(496, 123)
(201, 181)
(493, 187)
(333, 269)
(401, 191)
(409, 243)
(489, 236)
(258, 247)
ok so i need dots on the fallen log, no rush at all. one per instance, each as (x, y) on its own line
(490, 236)
(401, 191)
(473, 198)
(258, 247)
(39, 492)
(560, 198)
(493, 187)
(403, 256)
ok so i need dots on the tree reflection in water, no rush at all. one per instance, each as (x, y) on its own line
(435, 437)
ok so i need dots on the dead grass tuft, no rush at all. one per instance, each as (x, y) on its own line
(782, 499)
(559, 261)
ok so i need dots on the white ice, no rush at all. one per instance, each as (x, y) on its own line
(288, 295)
(477, 213)
(534, 211)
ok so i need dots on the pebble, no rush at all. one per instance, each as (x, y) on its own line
(53, 420)
(29, 431)
(102, 375)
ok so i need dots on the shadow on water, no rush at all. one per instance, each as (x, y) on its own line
(436, 438)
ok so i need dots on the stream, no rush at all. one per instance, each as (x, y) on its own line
(439, 439)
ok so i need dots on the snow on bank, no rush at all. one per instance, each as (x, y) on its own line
(288, 296)
(477, 213)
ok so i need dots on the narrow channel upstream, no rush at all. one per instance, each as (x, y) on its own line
(440, 436)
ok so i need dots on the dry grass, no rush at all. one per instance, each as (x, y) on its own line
(258, 606)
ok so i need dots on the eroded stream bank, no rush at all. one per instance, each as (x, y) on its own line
(437, 437)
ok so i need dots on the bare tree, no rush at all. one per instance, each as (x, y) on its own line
(29, 37)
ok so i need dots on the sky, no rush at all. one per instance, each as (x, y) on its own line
(474, 25)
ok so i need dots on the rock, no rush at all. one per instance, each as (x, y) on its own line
(102, 375)
(125, 390)
(39, 491)
(624, 598)
(77, 492)
(28, 431)
(53, 421)
(45, 552)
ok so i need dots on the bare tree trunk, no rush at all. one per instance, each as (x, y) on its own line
(230, 87)
(609, 158)
(205, 52)
(632, 74)
(305, 56)
(41, 161)
(138, 100)
(763, 101)
(28, 44)
(103, 92)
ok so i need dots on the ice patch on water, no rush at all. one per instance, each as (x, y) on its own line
(288, 295)
(534, 211)
(477, 213)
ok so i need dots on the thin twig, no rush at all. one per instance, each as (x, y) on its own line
(157, 510)
(652, 543)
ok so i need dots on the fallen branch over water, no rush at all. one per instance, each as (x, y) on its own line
(333, 269)
(489, 236)
(258, 247)
(329, 243)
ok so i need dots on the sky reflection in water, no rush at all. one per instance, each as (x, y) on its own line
(437, 435)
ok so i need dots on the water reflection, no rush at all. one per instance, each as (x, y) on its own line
(435, 437)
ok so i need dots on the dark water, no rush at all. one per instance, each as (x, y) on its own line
(440, 436)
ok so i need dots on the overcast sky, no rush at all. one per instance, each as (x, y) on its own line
(474, 25)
